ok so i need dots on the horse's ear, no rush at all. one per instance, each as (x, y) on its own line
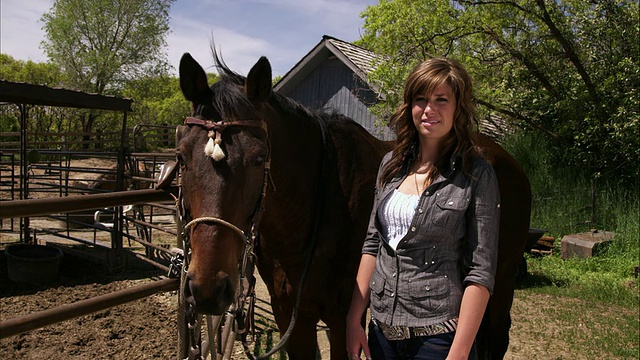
(258, 84)
(180, 129)
(193, 79)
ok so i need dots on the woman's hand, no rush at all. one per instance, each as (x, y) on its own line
(356, 340)
(356, 337)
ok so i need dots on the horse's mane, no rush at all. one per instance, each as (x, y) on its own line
(229, 96)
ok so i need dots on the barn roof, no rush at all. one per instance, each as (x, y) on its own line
(23, 93)
(360, 60)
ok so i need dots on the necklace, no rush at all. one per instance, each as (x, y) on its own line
(416, 181)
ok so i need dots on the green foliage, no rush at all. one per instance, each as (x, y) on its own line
(158, 100)
(602, 290)
(102, 44)
(563, 204)
(41, 118)
(568, 69)
(47, 74)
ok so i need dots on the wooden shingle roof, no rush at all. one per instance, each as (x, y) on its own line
(360, 60)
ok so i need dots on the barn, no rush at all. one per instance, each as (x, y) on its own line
(333, 76)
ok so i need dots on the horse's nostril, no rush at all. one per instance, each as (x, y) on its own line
(211, 295)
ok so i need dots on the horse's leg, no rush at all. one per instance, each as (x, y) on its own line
(499, 316)
(302, 343)
(493, 340)
(337, 337)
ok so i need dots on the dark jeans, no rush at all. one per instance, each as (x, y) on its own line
(434, 347)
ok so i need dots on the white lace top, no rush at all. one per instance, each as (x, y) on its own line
(396, 216)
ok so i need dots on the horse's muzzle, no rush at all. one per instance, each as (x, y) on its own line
(211, 296)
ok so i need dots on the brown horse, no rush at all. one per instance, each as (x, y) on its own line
(314, 175)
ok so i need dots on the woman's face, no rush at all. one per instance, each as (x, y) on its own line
(433, 114)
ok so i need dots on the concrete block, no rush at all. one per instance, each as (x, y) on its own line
(585, 245)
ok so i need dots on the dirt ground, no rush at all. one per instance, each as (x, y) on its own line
(142, 329)
(147, 328)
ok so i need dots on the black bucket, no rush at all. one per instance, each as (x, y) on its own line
(33, 263)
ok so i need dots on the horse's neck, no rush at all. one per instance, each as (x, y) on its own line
(296, 168)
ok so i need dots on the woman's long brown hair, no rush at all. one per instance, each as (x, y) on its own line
(423, 80)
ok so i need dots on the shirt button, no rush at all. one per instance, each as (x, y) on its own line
(420, 211)
(393, 294)
(450, 202)
(413, 228)
(428, 288)
(433, 261)
(426, 193)
(393, 275)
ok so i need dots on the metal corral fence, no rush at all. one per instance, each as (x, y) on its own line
(74, 199)
(39, 207)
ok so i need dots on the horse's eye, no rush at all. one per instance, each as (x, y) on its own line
(259, 160)
(180, 159)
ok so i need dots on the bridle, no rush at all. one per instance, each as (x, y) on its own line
(215, 129)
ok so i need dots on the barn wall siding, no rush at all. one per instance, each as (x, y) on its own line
(333, 86)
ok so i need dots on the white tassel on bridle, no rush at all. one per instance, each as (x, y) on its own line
(213, 148)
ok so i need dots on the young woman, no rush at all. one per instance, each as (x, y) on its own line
(429, 259)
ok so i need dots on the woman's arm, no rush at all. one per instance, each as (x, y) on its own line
(474, 303)
(480, 259)
(356, 338)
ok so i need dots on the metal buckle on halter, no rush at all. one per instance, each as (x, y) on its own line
(177, 261)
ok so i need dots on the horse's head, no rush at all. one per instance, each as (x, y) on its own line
(223, 150)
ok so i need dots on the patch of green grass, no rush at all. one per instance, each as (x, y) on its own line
(600, 293)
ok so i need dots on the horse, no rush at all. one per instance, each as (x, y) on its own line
(253, 160)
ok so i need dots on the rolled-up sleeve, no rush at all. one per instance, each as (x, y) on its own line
(483, 222)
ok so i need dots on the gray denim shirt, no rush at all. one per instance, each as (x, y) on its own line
(452, 241)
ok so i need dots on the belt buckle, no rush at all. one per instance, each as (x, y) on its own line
(395, 332)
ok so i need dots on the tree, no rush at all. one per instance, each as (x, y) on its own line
(42, 119)
(567, 69)
(101, 44)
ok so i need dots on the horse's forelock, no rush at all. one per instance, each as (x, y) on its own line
(229, 99)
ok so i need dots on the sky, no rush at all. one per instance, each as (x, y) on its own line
(243, 30)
